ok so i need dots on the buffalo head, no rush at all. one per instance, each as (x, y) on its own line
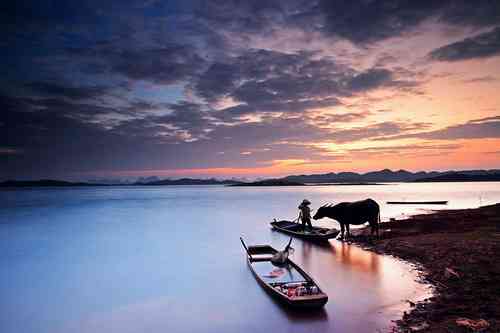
(322, 212)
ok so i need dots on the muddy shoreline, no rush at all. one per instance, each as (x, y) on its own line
(458, 252)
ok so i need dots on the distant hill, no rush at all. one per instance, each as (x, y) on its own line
(270, 182)
(61, 183)
(188, 181)
(43, 183)
(383, 176)
(461, 177)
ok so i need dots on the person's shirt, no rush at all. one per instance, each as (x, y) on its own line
(306, 212)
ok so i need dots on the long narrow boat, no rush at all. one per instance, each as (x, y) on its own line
(297, 230)
(417, 202)
(287, 283)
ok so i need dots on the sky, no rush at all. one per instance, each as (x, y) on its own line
(250, 88)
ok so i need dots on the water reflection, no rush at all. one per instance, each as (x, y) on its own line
(345, 253)
(303, 315)
(356, 258)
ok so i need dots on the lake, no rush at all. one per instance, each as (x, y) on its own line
(168, 259)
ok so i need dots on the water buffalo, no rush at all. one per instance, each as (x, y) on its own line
(357, 212)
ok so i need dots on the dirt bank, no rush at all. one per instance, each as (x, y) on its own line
(459, 252)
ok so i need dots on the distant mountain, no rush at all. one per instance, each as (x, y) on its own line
(188, 181)
(385, 175)
(382, 176)
(270, 182)
(61, 183)
(150, 179)
(462, 177)
(109, 181)
(43, 183)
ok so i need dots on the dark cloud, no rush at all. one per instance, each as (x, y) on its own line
(474, 129)
(121, 85)
(361, 21)
(53, 144)
(47, 13)
(270, 81)
(285, 88)
(403, 151)
(481, 46)
(180, 122)
(189, 117)
(66, 91)
(332, 119)
(235, 113)
(370, 21)
(378, 130)
(50, 142)
(164, 65)
(480, 13)
(271, 131)
(9, 151)
(404, 148)
(242, 16)
(241, 75)
(481, 79)
(370, 79)
(217, 81)
(26, 12)
(484, 120)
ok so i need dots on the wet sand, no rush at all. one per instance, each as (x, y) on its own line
(458, 252)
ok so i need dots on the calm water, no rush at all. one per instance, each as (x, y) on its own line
(168, 259)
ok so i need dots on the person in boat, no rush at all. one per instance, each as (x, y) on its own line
(305, 214)
(280, 257)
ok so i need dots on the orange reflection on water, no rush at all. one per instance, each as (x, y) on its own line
(345, 254)
(356, 258)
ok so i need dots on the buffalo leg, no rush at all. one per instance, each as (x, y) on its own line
(342, 230)
(374, 227)
(348, 230)
(378, 223)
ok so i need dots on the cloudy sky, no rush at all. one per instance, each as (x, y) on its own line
(128, 88)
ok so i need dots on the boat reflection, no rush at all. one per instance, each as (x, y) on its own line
(305, 315)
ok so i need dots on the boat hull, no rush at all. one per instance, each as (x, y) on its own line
(308, 301)
(295, 229)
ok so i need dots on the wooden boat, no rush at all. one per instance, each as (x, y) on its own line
(297, 230)
(287, 283)
(417, 202)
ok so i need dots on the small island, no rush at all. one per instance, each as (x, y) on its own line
(44, 183)
(461, 177)
(270, 182)
(344, 184)
(187, 181)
